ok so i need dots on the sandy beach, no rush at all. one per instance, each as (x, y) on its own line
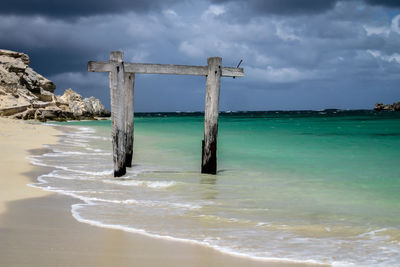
(37, 229)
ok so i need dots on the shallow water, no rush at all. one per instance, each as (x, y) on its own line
(300, 186)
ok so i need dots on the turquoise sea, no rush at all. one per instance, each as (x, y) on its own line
(306, 186)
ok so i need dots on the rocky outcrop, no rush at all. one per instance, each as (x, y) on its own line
(87, 107)
(25, 94)
(95, 107)
(391, 107)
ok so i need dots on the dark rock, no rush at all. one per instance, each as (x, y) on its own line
(54, 114)
(28, 114)
(13, 110)
(379, 106)
(394, 107)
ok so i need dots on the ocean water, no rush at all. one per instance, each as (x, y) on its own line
(302, 186)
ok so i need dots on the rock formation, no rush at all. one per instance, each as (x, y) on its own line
(391, 107)
(88, 107)
(25, 94)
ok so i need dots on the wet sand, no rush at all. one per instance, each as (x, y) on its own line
(37, 228)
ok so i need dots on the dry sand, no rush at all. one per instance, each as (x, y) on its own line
(16, 139)
(37, 228)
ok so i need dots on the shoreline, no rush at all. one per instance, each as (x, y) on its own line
(37, 227)
(16, 145)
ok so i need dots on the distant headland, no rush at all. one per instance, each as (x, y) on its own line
(390, 107)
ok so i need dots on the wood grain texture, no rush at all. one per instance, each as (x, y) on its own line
(129, 116)
(147, 68)
(100, 66)
(232, 72)
(117, 92)
(209, 147)
(122, 78)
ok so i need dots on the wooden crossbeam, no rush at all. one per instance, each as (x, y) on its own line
(147, 68)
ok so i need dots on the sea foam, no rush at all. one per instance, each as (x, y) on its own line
(149, 188)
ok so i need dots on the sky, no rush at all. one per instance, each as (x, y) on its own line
(297, 55)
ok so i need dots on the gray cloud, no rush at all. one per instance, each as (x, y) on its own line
(244, 9)
(388, 3)
(282, 7)
(345, 55)
(71, 9)
(57, 46)
(68, 8)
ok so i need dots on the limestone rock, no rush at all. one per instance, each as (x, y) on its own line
(78, 108)
(13, 110)
(46, 84)
(52, 113)
(46, 96)
(34, 82)
(28, 114)
(11, 103)
(88, 107)
(25, 94)
(9, 81)
(95, 107)
(13, 64)
(42, 104)
(20, 85)
(17, 55)
(69, 96)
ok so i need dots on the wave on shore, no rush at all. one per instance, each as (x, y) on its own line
(158, 199)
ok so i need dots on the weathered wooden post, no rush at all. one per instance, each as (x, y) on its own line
(129, 116)
(117, 92)
(209, 144)
(122, 79)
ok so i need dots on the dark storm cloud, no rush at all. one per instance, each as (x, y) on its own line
(68, 8)
(63, 46)
(297, 54)
(283, 7)
(388, 3)
(290, 7)
(51, 49)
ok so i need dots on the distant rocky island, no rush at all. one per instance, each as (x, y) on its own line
(25, 94)
(390, 107)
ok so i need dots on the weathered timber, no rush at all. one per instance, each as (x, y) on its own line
(209, 144)
(129, 116)
(232, 72)
(122, 78)
(146, 68)
(117, 91)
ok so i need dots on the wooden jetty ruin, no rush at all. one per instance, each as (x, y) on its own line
(122, 79)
